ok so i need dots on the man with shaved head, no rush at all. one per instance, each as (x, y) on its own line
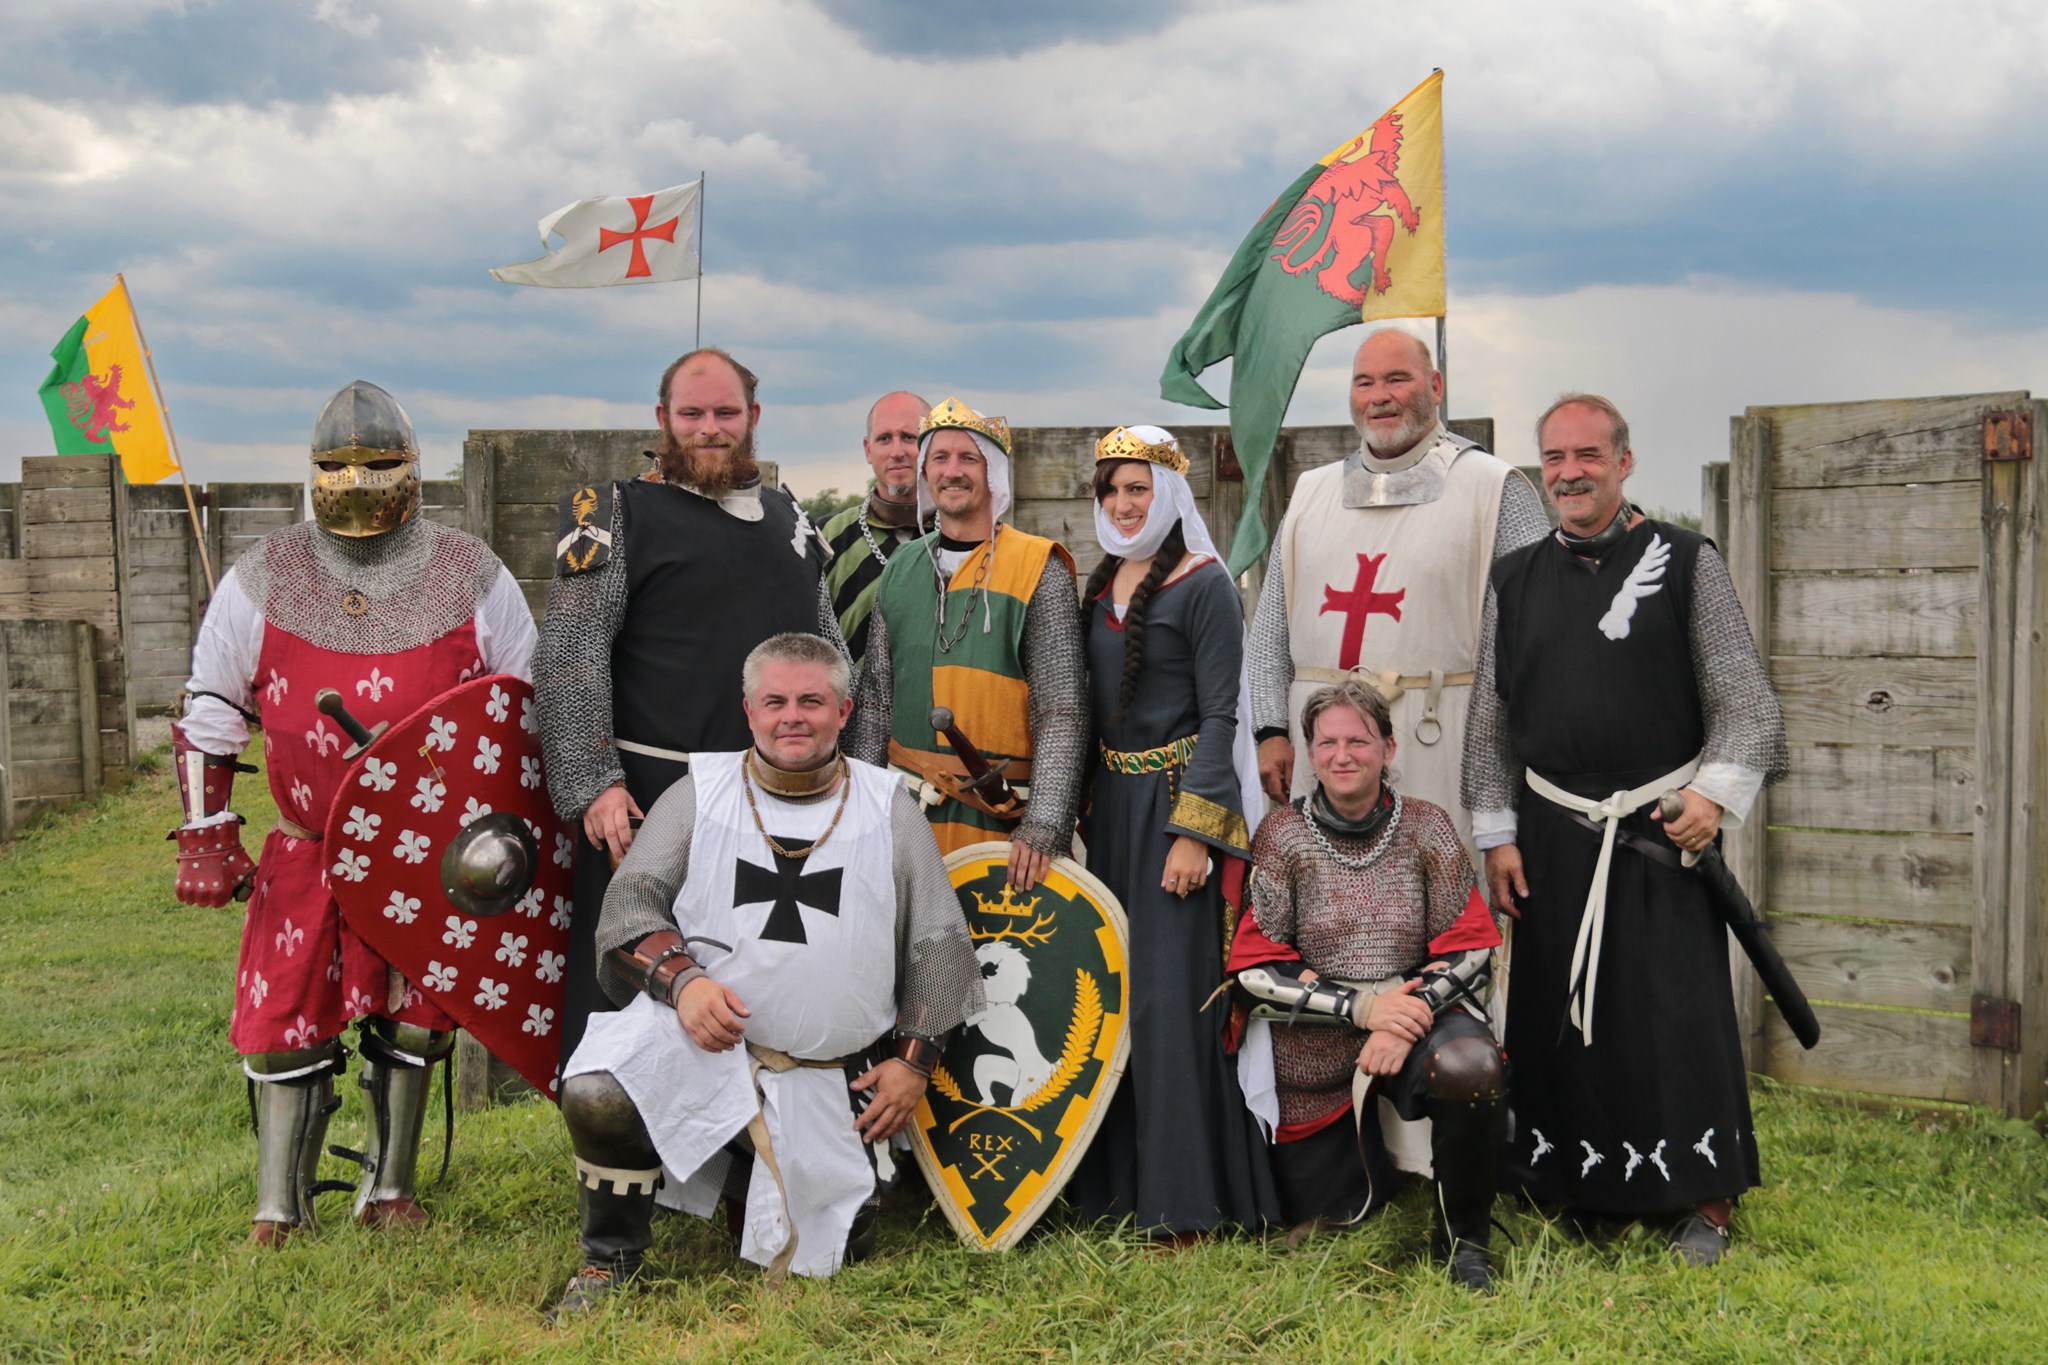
(1379, 572)
(661, 586)
(864, 536)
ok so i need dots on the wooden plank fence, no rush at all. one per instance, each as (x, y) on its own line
(49, 717)
(1889, 570)
(10, 521)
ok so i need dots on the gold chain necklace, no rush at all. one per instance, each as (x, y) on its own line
(845, 790)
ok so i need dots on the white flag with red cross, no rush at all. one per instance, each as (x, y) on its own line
(630, 239)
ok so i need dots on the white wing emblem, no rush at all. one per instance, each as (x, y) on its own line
(1645, 578)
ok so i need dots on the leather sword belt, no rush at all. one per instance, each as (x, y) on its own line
(778, 1061)
(1139, 762)
(936, 777)
(292, 829)
(1391, 683)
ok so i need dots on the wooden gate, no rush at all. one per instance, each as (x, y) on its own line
(1888, 555)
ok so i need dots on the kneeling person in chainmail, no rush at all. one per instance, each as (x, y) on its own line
(791, 958)
(1362, 958)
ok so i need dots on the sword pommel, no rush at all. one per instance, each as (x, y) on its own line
(942, 719)
(1671, 805)
(328, 702)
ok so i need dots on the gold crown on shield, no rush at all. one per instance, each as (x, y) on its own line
(955, 415)
(1005, 904)
(1125, 444)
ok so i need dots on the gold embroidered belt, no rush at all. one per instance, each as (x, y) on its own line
(1163, 759)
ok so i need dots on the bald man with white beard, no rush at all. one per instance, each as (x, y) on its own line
(1379, 571)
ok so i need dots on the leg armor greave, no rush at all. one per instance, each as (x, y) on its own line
(1465, 1084)
(294, 1098)
(617, 1172)
(397, 1068)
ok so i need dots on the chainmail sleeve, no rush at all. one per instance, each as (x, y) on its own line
(938, 977)
(1268, 655)
(828, 619)
(642, 895)
(1447, 878)
(867, 730)
(1492, 775)
(1056, 671)
(1522, 520)
(1745, 744)
(1272, 878)
(572, 678)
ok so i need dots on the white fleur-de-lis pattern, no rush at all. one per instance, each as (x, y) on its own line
(474, 753)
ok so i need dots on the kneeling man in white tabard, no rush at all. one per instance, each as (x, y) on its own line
(794, 958)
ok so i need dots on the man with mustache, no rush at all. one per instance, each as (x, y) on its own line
(1615, 665)
(864, 536)
(662, 584)
(979, 618)
(1378, 571)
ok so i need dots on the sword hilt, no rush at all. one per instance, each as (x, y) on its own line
(1671, 805)
(328, 702)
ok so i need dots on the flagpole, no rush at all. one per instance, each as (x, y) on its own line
(701, 178)
(1442, 367)
(149, 363)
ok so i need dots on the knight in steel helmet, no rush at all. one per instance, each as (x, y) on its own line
(366, 463)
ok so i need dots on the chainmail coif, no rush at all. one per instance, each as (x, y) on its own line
(417, 582)
(938, 977)
(1358, 924)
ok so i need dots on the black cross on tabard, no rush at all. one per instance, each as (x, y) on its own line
(787, 885)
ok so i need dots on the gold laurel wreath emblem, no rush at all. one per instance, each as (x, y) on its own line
(1081, 1031)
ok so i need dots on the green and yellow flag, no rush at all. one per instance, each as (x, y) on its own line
(1357, 236)
(98, 395)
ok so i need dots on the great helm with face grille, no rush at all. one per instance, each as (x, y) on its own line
(366, 463)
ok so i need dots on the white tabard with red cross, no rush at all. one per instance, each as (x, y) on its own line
(1396, 589)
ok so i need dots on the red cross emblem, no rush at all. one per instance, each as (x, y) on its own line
(642, 205)
(1359, 602)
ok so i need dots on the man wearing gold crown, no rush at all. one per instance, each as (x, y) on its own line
(978, 619)
(1379, 572)
(368, 593)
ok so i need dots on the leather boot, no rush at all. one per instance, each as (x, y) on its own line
(1465, 1146)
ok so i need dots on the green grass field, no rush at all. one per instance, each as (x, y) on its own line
(127, 1174)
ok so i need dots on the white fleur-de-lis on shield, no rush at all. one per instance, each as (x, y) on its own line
(378, 774)
(376, 685)
(461, 932)
(302, 795)
(411, 847)
(512, 949)
(300, 1036)
(440, 978)
(440, 734)
(361, 824)
(273, 692)
(403, 908)
(258, 989)
(491, 994)
(475, 670)
(548, 966)
(565, 852)
(486, 760)
(560, 919)
(529, 771)
(538, 1021)
(473, 809)
(530, 904)
(500, 704)
(428, 797)
(289, 938)
(527, 720)
(321, 738)
(351, 865)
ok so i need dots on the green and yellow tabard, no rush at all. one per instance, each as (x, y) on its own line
(973, 666)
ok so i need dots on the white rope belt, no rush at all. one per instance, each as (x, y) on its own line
(1593, 923)
(650, 751)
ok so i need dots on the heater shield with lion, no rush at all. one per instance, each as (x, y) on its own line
(1022, 1086)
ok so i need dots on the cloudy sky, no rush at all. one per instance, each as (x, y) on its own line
(1692, 207)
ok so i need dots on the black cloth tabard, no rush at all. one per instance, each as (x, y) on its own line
(702, 589)
(1654, 1114)
(1178, 1150)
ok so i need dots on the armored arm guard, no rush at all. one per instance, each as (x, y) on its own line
(659, 964)
(1464, 977)
(1278, 992)
(213, 868)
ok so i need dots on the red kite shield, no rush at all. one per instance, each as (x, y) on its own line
(471, 752)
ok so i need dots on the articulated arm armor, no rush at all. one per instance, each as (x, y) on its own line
(213, 868)
(1464, 977)
(659, 964)
(1278, 992)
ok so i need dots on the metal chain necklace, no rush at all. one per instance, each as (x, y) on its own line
(1378, 851)
(754, 809)
(975, 595)
(869, 537)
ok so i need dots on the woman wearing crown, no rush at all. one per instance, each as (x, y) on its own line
(1175, 794)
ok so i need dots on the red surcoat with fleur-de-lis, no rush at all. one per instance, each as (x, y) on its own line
(303, 974)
